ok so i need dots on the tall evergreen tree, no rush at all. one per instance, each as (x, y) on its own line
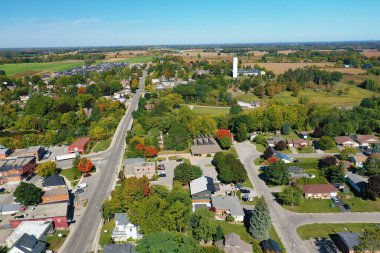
(260, 222)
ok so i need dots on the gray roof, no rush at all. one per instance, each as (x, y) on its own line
(131, 161)
(122, 219)
(54, 180)
(357, 179)
(233, 244)
(205, 145)
(349, 239)
(230, 203)
(27, 242)
(119, 248)
(294, 170)
(16, 163)
(10, 207)
(202, 184)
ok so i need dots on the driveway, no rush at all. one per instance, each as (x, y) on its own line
(207, 168)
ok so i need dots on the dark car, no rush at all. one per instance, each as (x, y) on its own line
(179, 160)
(88, 174)
(245, 191)
(162, 174)
(296, 161)
(347, 207)
(79, 191)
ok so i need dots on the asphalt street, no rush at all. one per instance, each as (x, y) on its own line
(286, 222)
(83, 235)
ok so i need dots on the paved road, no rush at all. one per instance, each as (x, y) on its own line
(286, 222)
(83, 236)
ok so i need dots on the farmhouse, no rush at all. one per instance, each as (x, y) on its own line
(201, 190)
(204, 145)
(16, 169)
(319, 191)
(79, 146)
(227, 205)
(346, 141)
(124, 229)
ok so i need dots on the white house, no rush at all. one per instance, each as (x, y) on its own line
(124, 229)
(358, 160)
(227, 205)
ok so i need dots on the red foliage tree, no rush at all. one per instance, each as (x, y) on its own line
(223, 133)
(273, 159)
(150, 152)
(140, 146)
(85, 165)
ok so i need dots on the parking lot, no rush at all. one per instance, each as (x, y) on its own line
(169, 170)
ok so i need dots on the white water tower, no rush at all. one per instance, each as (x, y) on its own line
(235, 67)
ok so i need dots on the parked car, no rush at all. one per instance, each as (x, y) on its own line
(179, 160)
(335, 199)
(79, 191)
(88, 174)
(347, 207)
(162, 174)
(245, 191)
(296, 161)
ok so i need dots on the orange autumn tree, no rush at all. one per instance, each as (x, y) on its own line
(223, 133)
(85, 165)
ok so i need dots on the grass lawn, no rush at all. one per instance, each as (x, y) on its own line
(247, 183)
(316, 180)
(306, 164)
(360, 205)
(333, 150)
(54, 241)
(71, 174)
(260, 147)
(274, 236)
(102, 145)
(324, 230)
(291, 136)
(314, 206)
(210, 111)
(258, 161)
(20, 68)
(306, 150)
(105, 237)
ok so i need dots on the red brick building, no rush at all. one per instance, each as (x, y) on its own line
(79, 145)
(14, 170)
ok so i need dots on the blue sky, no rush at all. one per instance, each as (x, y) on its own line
(42, 23)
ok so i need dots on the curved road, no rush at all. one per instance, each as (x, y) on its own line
(83, 234)
(286, 222)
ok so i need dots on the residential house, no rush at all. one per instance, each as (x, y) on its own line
(124, 229)
(15, 169)
(283, 157)
(4, 153)
(38, 229)
(358, 160)
(201, 190)
(319, 191)
(137, 167)
(227, 205)
(357, 183)
(53, 182)
(204, 145)
(274, 141)
(366, 140)
(231, 243)
(270, 246)
(346, 141)
(119, 248)
(9, 209)
(79, 146)
(28, 244)
(296, 172)
(347, 241)
(57, 213)
(55, 196)
(298, 143)
(305, 134)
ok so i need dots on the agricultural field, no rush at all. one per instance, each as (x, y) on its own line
(371, 53)
(354, 96)
(280, 68)
(347, 71)
(359, 78)
(137, 59)
(213, 111)
(21, 69)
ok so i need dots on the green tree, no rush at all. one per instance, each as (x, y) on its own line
(225, 142)
(202, 224)
(260, 139)
(286, 129)
(372, 164)
(27, 194)
(242, 132)
(185, 172)
(2, 73)
(347, 152)
(260, 222)
(39, 105)
(235, 109)
(277, 173)
(167, 242)
(326, 142)
(219, 233)
(370, 84)
(291, 195)
(373, 187)
(369, 241)
(46, 169)
(177, 137)
(211, 249)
